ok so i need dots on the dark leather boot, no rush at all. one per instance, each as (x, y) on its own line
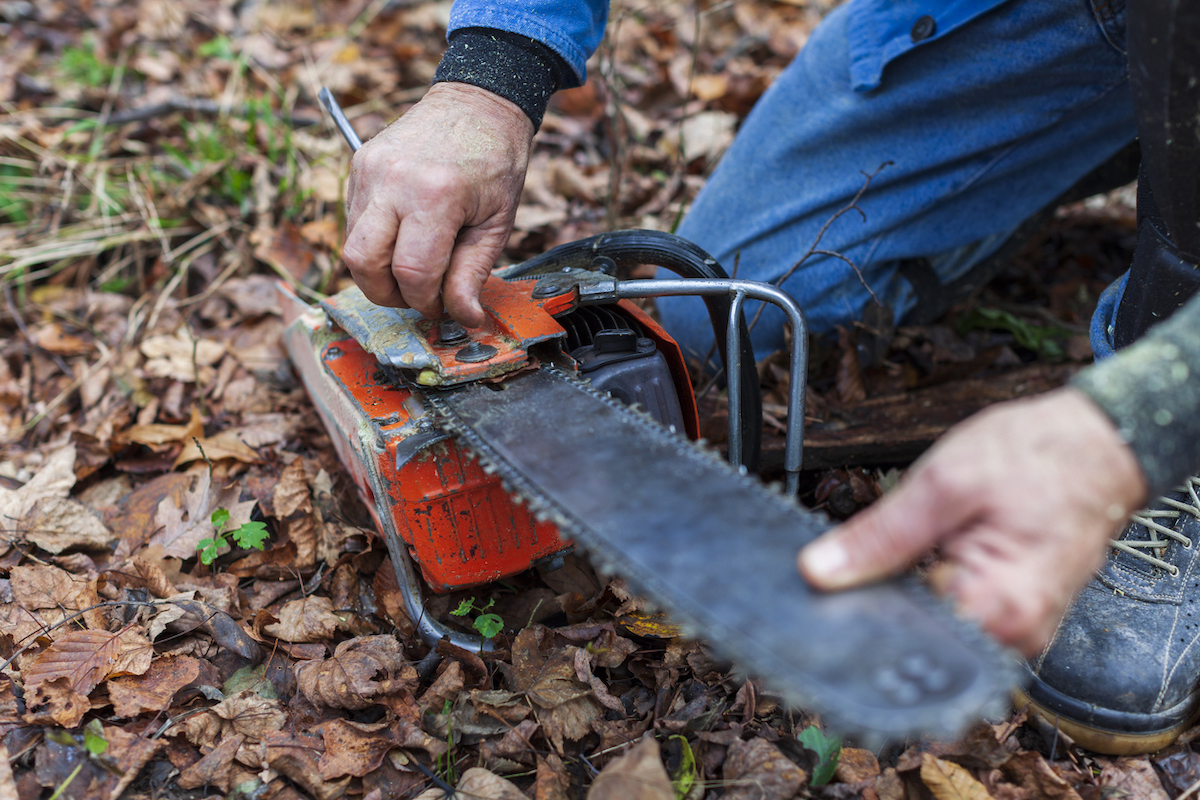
(1120, 674)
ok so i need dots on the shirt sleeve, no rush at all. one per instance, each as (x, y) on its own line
(1151, 391)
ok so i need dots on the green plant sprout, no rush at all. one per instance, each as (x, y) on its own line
(827, 750)
(248, 536)
(445, 762)
(487, 624)
(684, 776)
(94, 744)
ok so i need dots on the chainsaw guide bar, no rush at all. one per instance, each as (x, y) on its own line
(717, 550)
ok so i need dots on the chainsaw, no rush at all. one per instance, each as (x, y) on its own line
(568, 422)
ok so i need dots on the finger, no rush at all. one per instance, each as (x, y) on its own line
(470, 264)
(1019, 603)
(367, 253)
(1025, 621)
(886, 537)
(421, 258)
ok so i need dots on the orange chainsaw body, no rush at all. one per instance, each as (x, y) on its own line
(457, 522)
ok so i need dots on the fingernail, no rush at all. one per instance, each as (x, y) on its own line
(824, 559)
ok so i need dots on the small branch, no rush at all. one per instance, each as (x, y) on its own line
(197, 106)
(450, 793)
(815, 247)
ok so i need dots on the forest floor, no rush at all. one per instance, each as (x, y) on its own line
(194, 601)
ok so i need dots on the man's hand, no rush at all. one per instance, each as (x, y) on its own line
(1022, 499)
(431, 201)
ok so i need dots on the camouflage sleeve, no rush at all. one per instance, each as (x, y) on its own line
(1151, 390)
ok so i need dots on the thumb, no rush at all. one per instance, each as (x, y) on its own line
(879, 541)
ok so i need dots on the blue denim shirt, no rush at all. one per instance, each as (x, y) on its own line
(880, 31)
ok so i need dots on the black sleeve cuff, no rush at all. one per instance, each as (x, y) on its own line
(512, 66)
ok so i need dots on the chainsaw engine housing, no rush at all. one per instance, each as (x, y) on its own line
(457, 522)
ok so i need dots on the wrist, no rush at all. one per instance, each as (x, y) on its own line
(500, 114)
(1105, 450)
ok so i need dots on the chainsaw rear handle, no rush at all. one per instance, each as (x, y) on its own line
(630, 248)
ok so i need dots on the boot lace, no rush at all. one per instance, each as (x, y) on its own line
(1167, 510)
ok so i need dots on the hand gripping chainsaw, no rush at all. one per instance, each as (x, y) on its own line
(568, 421)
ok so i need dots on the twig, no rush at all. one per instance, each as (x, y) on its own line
(449, 790)
(106, 354)
(114, 88)
(815, 247)
(198, 106)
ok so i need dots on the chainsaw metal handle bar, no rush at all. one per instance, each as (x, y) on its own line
(631, 248)
(339, 118)
(739, 291)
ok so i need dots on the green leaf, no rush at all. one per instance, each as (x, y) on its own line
(250, 678)
(217, 47)
(93, 738)
(489, 625)
(464, 608)
(1042, 339)
(252, 535)
(81, 64)
(59, 736)
(220, 517)
(208, 549)
(684, 776)
(827, 750)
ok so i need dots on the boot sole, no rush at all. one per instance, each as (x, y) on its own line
(1100, 740)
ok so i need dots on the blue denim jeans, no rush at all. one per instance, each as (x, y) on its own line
(980, 127)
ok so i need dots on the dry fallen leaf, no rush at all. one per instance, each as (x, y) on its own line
(637, 775)
(226, 444)
(87, 658)
(156, 433)
(251, 714)
(8, 786)
(358, 748)
(129, 752)
(856, 765)
(1030, 771)
(54, 702)
(295, 755)
(362, 672)
(478, 783)
(153, 690)
(59, 523)
(547, 676)
(44, 595)
(53, 480)
(216, 768)
(948, 781)
(52, 338)
(757, 770)
(309, 619)
(182, 357)
(553, 782)
(1132, 777)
